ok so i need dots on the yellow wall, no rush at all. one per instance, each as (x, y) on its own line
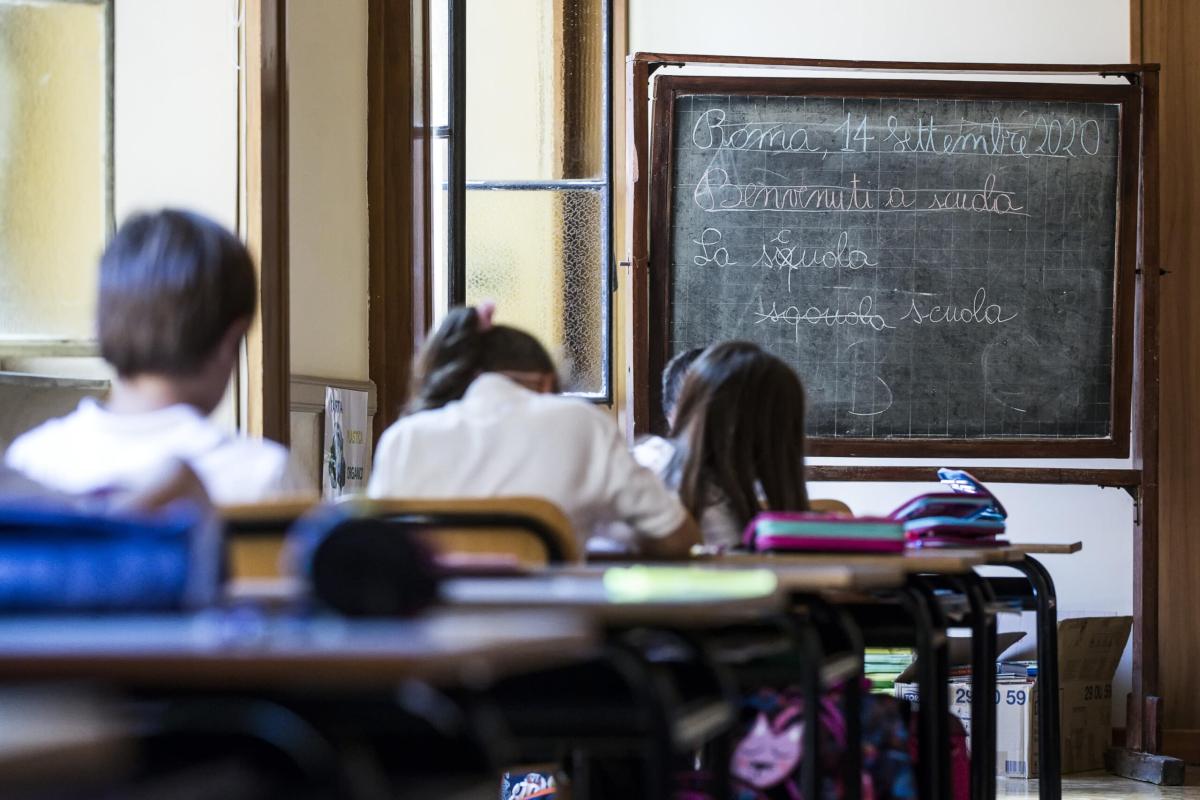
(327, 105)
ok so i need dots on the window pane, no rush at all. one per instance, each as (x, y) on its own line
(537, 254)
(534, 89)
(53, 172)
(439, 61)
(439, 226)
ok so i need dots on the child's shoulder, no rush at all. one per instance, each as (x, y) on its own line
(73, 428)
(572, 412)
(654, 453)
(242, 469)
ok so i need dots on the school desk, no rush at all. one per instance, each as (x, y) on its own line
(657, 695)
(677, 602)
(1035, 592)
(700, 600)
(916, 599)
(250, 650)
(828, 572)
(321, 679)
(812, 584)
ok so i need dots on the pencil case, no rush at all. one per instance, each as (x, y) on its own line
(944, 505)
(950, 531)
(783, 532)
(970, 515)
(363, 566)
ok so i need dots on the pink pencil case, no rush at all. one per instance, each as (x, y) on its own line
(953, 528)
(782, 532)
(944, 505)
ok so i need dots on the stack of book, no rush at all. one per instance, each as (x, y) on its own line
(884, 665)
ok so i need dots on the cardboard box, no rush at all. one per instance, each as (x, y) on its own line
(1089, 650)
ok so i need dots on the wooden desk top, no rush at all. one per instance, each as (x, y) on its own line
(1048, 549)
(946, 562)
(246, 648)
(1017, 552)
(792, 576)
(802, 578)
(676, 597)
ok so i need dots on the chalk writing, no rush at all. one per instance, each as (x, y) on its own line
(781, 253)
(712, 132)
(980, 312)
(813, 315)
(712, 252)
(1026, 136)
(717, 192)
(987, 200)
(887, 402)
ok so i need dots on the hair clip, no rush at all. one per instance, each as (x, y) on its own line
(484, 311)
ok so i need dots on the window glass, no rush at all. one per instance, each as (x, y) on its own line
(54, 174)
(544, 273)
(537, 202)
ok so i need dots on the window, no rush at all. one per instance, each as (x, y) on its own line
(522, 170)
(55, 170)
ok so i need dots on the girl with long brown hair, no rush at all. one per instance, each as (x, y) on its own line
(738, 439)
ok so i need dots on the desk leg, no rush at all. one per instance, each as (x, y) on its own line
(811, 652)
(840, 625)
(1049, 736)
(983, 687)
(853, 708)
(934, 735)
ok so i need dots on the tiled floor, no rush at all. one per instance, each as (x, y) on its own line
(1101, 786)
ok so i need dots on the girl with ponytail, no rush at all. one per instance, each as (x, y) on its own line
(485, 420)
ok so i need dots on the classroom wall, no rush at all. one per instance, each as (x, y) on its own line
(327, 175)
(175, 107)
(1098, 580)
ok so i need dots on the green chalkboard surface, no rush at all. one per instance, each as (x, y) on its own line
(935, 265)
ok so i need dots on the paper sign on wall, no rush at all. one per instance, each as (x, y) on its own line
(346, 461)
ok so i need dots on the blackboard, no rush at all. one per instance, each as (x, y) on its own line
(935, 262)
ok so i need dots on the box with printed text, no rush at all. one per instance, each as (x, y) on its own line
(1089, 649)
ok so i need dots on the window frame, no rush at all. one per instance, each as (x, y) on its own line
(455, 132)
(399, 193)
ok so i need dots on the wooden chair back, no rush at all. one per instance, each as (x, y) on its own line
(829, 506)
(533, 531)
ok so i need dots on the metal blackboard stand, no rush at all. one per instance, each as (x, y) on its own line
(1136, 311)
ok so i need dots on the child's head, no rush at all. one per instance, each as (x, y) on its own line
(466, 345)
(740, 421)
(177, 293)
(672, 380)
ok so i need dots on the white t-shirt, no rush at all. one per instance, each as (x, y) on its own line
(93, 448)
(718, 524)
(501, 440)
(15, 488)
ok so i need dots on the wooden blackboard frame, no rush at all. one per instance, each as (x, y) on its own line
(659, 284)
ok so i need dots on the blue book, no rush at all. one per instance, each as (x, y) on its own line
(53, 560)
